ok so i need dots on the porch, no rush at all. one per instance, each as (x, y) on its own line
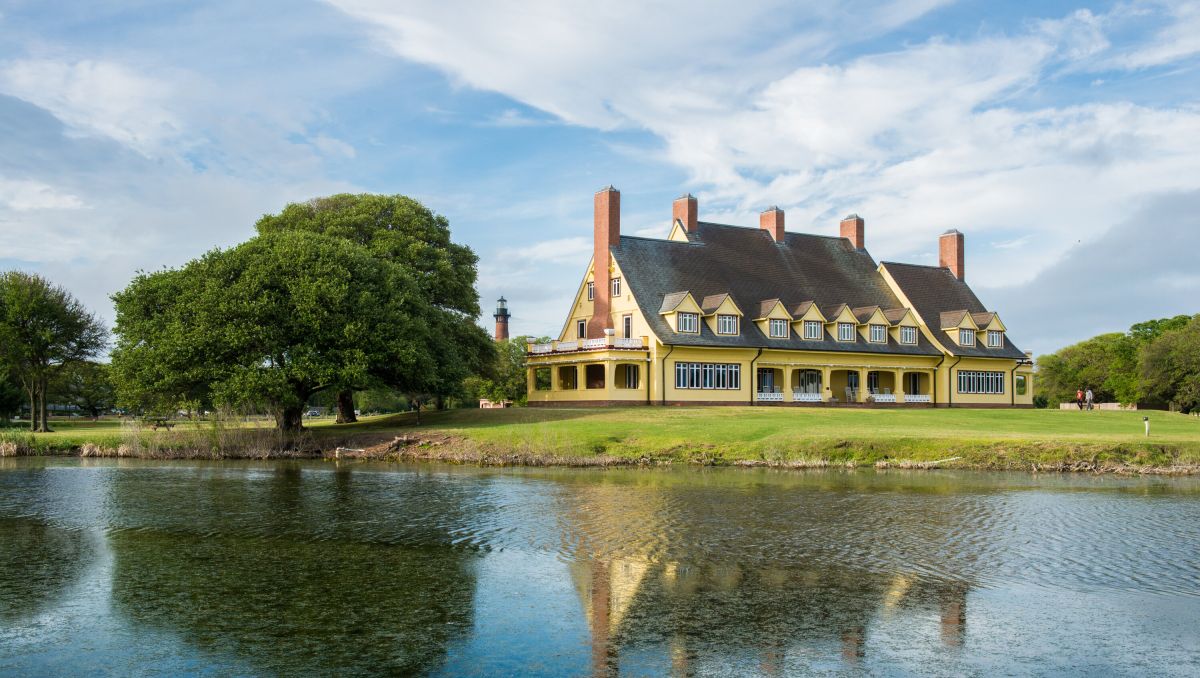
(832, 385)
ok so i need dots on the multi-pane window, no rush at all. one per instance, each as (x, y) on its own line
(591, 290)
(912, 383)
(995, 338)
(727, 324)
(581, 329)
(779, 328)
(708, 376)
(980, 382)
(616, 287)
(627, 326)
(966, 337)
(812, 329)
(908, 335)
(845, 331)
(878, 334)
(687, 322)
(631, 376)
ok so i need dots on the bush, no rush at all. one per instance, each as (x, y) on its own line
(1041, 402)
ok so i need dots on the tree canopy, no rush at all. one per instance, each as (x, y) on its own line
(1144, 364)
(400, 230)
(43, 328)
(269, 323)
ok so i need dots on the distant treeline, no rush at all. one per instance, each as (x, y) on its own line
(1156, 362)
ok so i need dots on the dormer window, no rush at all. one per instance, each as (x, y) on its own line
(812, 329)
(995, 339)
(878, 334)
(966, 337)
(779, 328)
(616, 287)
(908, 335)
(591, 290)
(687, 322)
(845, 331)
(727, 324)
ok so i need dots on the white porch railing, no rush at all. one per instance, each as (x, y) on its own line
(916, 398)
(769, 397)
(631, 342)
(885, 397)
(799, 397)
(592, 343)
(541, 348)
(567, 346)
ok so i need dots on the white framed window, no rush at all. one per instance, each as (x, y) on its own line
(627, 326)
(995, 339)
(581, 329)
(591, 290)
(971, 381)
(878, 334)
(778, 328)
(719, 376)
(616, 287)
(966, 337)
(727, 324)
(908, 335)
(812, 329)
(687, 322)
(845, 331)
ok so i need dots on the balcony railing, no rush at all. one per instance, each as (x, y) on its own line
(631, 343)
(768, 397)
(799, 397)
(884, 397)
(916, 398)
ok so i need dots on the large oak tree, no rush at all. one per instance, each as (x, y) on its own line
(269, 323)
(400, 230)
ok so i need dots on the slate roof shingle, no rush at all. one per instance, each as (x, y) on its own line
(750, 266)
(936, 294)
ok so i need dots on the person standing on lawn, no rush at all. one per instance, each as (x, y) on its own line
(1079, 398)
(1091, 398)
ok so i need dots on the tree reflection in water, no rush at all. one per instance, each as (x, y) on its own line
(39, 562)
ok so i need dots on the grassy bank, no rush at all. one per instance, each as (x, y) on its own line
(993, 439)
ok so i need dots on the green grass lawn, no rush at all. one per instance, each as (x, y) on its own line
(995, 438)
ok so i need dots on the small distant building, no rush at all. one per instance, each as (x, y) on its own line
(501, 316)
(485, 404)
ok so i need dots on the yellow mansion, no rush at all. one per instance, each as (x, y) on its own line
(727, 315)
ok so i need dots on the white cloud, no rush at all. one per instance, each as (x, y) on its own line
(1178, 39)
(97, 97)
(22, 195)
(333, 147)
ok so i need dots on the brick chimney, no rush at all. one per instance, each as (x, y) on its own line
(950, 253)
(501, 316)
(686, 211)
(852, 229)
(771, 221)
(607, 222)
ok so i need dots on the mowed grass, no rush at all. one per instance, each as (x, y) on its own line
(726, 434)
(981, 438)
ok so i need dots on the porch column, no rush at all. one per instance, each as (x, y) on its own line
(610, 375)
(826, 389)
(899, 390)
(554, 385)
(530, 380)
(862, 385)
(787, 384)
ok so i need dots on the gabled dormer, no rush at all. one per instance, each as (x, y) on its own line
(991, 330)
(808, 321)
(960, 327)
(872, 324)
(841, 323)
(681, 312)
(903, 326)
(774, 320)
(723, 316)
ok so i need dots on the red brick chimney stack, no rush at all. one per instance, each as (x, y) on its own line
(607, 223)
(771, 221)
(951, 253)
(685, 210)
(852, 229)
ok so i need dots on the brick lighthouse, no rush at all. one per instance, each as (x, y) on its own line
(501, 319)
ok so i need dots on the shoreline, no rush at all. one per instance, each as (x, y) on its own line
(457, 450)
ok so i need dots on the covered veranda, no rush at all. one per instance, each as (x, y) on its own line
(843, 384)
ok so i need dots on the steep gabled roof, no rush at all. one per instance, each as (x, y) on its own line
(895, 315)
(933, 291)
(750, 266)
(712, 302)
(802, 308)
(864, 313)
(766, 306)
(983, 319)
(952, 319)
(671, 301)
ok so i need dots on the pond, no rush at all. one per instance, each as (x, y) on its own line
(130, 567)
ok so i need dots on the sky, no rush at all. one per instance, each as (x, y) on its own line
(1062, 138)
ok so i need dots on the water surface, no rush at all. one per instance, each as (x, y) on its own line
(126, 567)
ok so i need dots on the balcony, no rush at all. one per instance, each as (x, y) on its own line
(602, 343)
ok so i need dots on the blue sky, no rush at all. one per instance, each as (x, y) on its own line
(1062, 138)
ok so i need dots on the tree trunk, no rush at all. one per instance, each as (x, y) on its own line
(33, 408)
(289, 419)
(345, 407)
(418, 404)
(45, 413)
